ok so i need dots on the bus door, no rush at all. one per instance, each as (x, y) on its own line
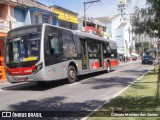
(84, 55)
(100, 55)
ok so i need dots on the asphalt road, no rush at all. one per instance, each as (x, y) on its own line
(89, 93)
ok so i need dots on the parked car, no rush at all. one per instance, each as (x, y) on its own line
(147, 59)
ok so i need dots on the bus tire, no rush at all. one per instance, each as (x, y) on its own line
(108, 67)
(72, 74)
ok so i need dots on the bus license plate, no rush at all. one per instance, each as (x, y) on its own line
(21, 79)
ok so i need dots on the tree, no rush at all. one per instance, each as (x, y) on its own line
(155, 10)
(154, 21)
(143, 47)
(151, 19)
(150, 25)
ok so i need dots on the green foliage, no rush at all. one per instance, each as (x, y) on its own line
(151, 20)
(138, 98)
(143, 46)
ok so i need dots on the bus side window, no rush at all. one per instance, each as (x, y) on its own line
(48, 56)
(108, 50)
(52, 44)
(114, 50)
(69, 49)
(77, 46)
(95, 49)
(47, 46)
(104, 51)
(55, 46)
(90, 49)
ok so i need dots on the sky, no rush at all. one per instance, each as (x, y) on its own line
(98, 9)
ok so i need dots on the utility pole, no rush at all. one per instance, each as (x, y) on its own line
(85, 9)
(10, 25)
(129, 31)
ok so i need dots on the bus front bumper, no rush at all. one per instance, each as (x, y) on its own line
(24, 78)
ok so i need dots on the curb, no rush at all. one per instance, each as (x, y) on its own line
(3, 81)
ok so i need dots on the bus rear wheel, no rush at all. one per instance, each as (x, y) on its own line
(72, 74)
(108, 67)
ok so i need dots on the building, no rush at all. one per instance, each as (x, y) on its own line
(66, 18)
(16, 13)
(124, 38)
(112, 24)
(123, 9)
(93, 26)
(120, 31)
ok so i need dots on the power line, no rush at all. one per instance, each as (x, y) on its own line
(102, 5)
(85, 9)
(137, 2)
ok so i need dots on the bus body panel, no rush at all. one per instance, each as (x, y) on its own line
(53, 73)
(39, 76)
(58, 70)
(94, 64)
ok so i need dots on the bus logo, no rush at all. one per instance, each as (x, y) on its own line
(6, 114)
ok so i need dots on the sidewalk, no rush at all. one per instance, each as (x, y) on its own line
(3, 81)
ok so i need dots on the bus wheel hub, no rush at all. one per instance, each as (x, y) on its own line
(72, 74)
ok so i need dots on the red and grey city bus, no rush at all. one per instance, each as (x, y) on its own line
(45, 52)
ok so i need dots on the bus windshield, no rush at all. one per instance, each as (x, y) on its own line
(23, 49)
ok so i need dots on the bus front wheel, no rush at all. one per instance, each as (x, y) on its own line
(72, 74)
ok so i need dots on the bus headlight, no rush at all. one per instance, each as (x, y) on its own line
(37, 68)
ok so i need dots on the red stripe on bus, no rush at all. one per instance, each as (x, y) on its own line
(95, 65)
(21, 71)
(105, 64)
(114, 62)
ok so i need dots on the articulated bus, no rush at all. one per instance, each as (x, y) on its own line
(45, 52)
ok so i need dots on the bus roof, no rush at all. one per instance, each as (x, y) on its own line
(89, 35)
(14, 29)
(75, 32)
(80, 33)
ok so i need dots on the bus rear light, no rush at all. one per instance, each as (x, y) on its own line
(37, 68)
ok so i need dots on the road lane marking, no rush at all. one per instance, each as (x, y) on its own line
(1, 90)
(140, 77)
(5, 84)
(115, 71)
(74, 84)
(107, 101)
